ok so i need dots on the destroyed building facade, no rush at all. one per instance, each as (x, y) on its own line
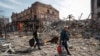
(44, 12)
(3, 22)
(95, 11)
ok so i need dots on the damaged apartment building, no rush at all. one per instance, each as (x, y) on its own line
(45, 14)
(95, 11)
(3, 23)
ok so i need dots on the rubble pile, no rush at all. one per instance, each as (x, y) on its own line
(84, 47)
(19, 42)
(77, 47)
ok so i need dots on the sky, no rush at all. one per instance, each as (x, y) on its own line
(65, 7)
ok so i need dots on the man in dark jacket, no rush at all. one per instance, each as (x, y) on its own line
(64, 38)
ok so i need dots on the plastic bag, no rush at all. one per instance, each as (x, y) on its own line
(59, 49)
(69, 45)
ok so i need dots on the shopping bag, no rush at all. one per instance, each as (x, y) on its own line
(59, 49)
(69, 45)
(31, 42)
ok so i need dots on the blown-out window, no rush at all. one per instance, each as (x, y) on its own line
(48, 11)
(98, 3)
(98, 15)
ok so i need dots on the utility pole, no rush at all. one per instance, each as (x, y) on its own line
(1, 22)
(0, 28)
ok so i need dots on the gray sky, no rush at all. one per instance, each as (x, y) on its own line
(65, 7)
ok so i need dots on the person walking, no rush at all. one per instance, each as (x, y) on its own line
(64, 38)
(36, 39)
